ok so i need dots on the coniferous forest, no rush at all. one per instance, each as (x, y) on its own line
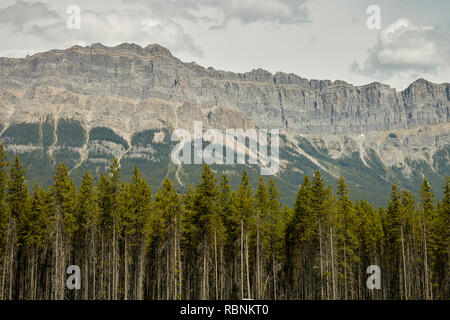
(212, 242)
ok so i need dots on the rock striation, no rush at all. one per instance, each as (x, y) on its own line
(126, 90)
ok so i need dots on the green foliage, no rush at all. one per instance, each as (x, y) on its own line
(65, 200)
(22, 133)
(70, 133)
(4, 214)
(212, 242)
(103, 133)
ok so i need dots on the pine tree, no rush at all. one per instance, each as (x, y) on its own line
(86, 238)
(261, 210)
(273, 233)
(169, 212)
(300, 242)
(426, 207)
(392, 222)
(320, 208)
(4, 221)
(136, 209)
(369, 230)
(346, 238)
(244, 211)
(65, 205)
(214, 243)
(210, 227)
(190, 242)
(438, 232)
(230, 249)
(441, 245)
(18, 203)
(39, 241)
(109, 188)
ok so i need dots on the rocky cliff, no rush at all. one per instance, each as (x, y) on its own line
(85, 105)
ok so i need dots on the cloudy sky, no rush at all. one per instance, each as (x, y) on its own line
(315, 39)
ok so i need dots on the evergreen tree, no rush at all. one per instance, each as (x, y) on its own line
(273, 233)
(39, 242)
(300, 241)
(65, 205)
(214, 243)
(18, 203)
(4, 221)
(392, 221)
(230, 249)
(86, 238)
(441, 245)
(436, 240)
(369, 230)
(427, 213)
(347, 240)
(109, 189)
(261, 210)
(244, 207)
(136, 209)
(169, 212)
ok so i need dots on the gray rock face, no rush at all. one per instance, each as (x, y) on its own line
(282, 100)
(131, 90)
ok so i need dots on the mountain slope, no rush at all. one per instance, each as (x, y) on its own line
(85, 105)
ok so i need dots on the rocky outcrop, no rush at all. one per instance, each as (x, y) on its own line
(134, 91)
(152, 76)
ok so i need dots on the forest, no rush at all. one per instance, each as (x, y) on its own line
(213, 242)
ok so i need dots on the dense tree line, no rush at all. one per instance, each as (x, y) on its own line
(215, 243)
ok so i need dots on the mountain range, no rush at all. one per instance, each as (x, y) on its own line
(85, 105)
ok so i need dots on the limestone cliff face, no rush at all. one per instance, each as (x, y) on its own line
(151, 76)
(129, 90)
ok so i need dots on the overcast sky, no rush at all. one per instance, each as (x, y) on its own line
(315, 39)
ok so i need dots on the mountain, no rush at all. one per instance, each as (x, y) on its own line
(85, 105)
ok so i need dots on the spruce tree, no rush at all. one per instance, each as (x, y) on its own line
(346, 238)
(273, 233)
(65, 205)
(18, 203)
(244, 207)
(427, 213)
(4, 220)
(300, 242)
(169, 212)
(86, 237)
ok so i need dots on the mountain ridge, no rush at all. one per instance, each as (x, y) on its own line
(113, 99)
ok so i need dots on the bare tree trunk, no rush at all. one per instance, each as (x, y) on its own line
(258, 266)
(427, 295)
(5, 260)
(114, 288)
(404, 265)
(242, 259)
(333, 283)
(125, 290)
(345, 272)
(94, 264)
(246, 262)
(274, 275)
(321, 260)
(215, 261)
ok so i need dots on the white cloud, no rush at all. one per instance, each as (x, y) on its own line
(48, 30)
(22, 14)
(219, 12)
(405, 47)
